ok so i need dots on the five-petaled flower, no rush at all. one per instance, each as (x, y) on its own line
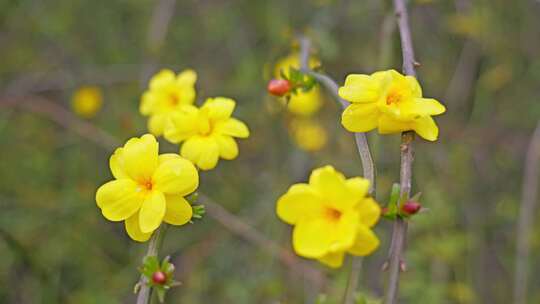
(207, 132)
(148, 188)
(331, 216)
(388, 101)
(167, 93)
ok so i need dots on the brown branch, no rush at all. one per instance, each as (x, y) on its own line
(364, 152)
(145, 291)
(526, 216)
(399, 233)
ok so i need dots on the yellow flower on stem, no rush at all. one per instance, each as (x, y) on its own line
(308, 134)
(148, 188)
(391, 102)
(301, 103)
(87, 101)
(207, 132)
(331, 216)
(167, 93)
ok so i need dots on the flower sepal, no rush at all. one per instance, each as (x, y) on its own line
(401, 207)
(158, 275)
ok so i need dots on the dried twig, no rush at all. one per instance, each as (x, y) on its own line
(526, 215)
(368, 165)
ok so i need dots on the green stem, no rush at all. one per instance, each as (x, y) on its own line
(145, 291)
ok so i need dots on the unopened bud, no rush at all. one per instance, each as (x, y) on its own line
(278, 87)
(411, 207)
(159, 277)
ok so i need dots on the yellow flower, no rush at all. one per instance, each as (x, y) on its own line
(390, 101)
(331, 216)
(308, 134)
(207, 132)
(87, 101)
(167, 93)
(301, 103)
(148, 188)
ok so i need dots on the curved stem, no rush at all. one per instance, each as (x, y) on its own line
(145, 291)
(525, 223)
(399, 234)
(368, 166)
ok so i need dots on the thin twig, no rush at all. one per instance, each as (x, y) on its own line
(526, 215)
(368, 166)
(145, 291)
(399, 233)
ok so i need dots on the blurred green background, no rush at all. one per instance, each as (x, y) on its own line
(480, 58)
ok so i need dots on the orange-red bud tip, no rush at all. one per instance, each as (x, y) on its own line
(278, 87)
(159, 277)
(411, 207)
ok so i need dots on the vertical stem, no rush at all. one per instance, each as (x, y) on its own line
(368, 166)
(399, 233)
(154, 244)
(525, 221)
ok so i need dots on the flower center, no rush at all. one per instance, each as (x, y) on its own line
(146, 185)
(393, 97)
(332, 214)
(174, 100)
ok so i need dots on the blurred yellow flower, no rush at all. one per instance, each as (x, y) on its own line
(207, 132)
(167, 93)
(301, 103)
(308, 134)
(87, 101)
(331, 216)
(388, 101)
(148, 188)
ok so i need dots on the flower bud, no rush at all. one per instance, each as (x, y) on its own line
(411, 207)
(159, 277)
(278, 87)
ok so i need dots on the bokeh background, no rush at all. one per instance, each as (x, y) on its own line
(480, 58)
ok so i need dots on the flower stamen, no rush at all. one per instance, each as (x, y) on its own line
(332, 214)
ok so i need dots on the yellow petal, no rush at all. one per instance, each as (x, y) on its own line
(152, 211)
(358, 187)
(313, 238)
(415, 86)
(115, 165)
(119, 199)
(334, 260)
(305, 103)
(148, 103)
(389, 125)
(140, 157)
(179, 211)
(164, 78)
(186, 78)
(366, 242)
(228, 149)
(133, 229)
(232, 127)
(182, 124)
(156, 123)
(369, 211)
(301, 201)
(360, 117)
(331, 185)
(203, 151)
(426, 128)
(175, 175)
(422, 107)
(360, 88)
(219, 108)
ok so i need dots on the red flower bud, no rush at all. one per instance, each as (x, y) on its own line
(278, 87)
(159, 277)
(411, 207)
